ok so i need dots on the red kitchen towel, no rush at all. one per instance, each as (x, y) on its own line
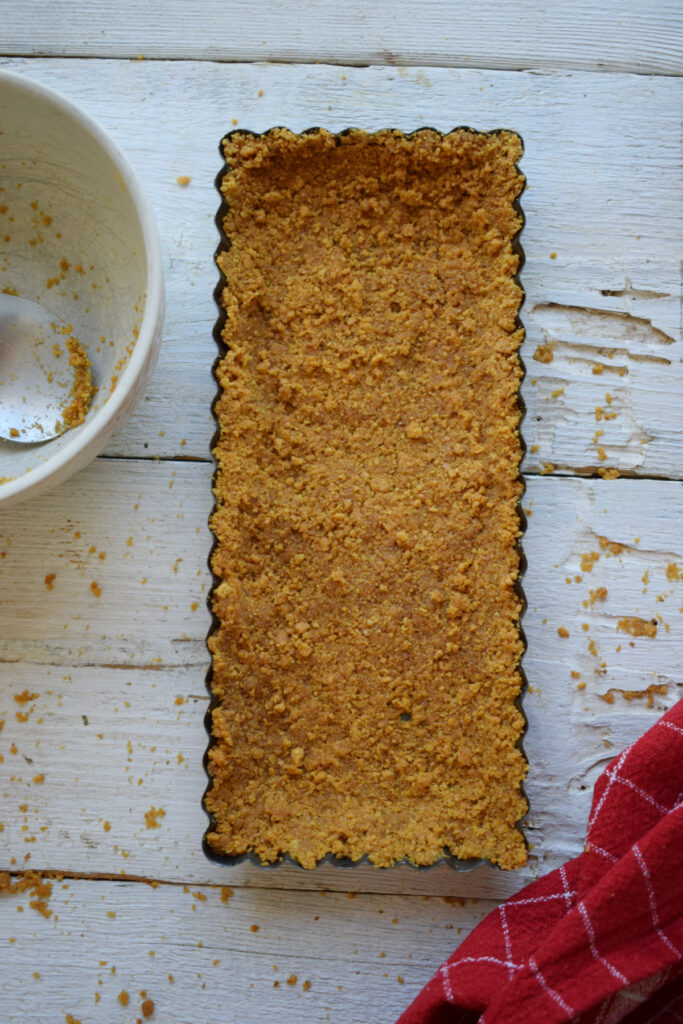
(599, 940)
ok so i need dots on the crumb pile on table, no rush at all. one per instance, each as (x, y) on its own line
(367, 647)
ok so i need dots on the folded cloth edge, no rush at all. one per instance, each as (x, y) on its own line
(587, 884)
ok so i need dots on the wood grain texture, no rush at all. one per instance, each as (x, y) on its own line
(608, 35)
(601, 153)
(241, 961)
(117, 728)
(119, 714)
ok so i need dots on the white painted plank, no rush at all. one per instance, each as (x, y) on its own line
(125, 658)
(127, 543)
(601, 152)
(245, 960)
(572, 546)
(607, 35)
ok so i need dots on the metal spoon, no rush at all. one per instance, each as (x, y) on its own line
(35, 375)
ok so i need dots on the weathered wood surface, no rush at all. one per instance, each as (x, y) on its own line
(116, 730)
(607, 35)
(602, 234)
(292, 957)
(116, 726)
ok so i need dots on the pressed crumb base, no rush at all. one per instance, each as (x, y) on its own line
(366, 656)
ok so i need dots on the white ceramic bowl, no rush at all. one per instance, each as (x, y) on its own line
(78, 236)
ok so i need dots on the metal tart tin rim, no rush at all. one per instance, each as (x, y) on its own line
(448, 859)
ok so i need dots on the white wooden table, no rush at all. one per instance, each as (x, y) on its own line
(111, 741)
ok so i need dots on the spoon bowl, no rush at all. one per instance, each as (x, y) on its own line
(36, 375)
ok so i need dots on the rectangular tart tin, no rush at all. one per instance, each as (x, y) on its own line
(448, 858)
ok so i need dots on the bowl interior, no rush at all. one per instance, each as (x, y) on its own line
(71, 239)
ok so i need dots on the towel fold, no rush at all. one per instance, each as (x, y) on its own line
(600, 939)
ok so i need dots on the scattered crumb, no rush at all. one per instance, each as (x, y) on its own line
(673, 572)
(32, 881)
(635, 626)
(151, 817)
(49, 579)
(648, 694)
(544, 353)
(183, 180)
(598, 595)
(306, 985)
(588, 560)
(613, 547)
(292, 979)
(123, 997)
(96, 589)
(25, 697)
(553, 255)
(148, 1007)
(226, 893)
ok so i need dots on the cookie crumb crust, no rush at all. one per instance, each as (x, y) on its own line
(365, 659)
